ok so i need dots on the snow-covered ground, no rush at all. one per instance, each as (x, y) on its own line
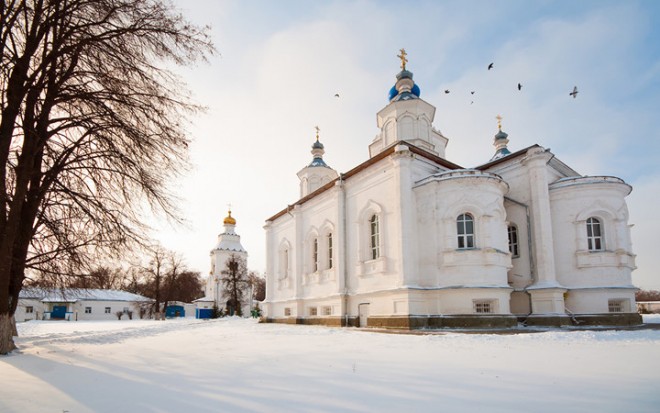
(236, 365)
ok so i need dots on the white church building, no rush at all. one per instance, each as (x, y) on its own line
(228, 245)
(408, 239)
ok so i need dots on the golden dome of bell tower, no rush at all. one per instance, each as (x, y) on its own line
(229, 220)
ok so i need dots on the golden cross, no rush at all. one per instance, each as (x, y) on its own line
(229, 207)
(317, 132)
(499, 122)
(402, 56)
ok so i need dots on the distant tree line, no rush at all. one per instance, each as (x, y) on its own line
(162, 277)
(647, 295)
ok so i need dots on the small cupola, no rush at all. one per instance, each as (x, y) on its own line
(317, 173)
(404, 88)
(500, 141)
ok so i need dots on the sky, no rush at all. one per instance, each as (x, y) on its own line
(236, 365)
(280, 64)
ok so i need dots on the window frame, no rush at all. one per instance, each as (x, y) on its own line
(484, 306)
(108, 310)
(88, 310)
(374, 237)
(595, 242)
(29, 309)
(514, 244)
(465, 240)
(315, 254)
(329, 250)
(621, 304)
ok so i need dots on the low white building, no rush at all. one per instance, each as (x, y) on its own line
(410, 239)
(75, 304)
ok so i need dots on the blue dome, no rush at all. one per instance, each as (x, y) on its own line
(501, 135)
(415, 90)
(392, 94)
(317, 145)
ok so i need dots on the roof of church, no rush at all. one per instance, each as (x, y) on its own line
(556, 163)
(366, 164)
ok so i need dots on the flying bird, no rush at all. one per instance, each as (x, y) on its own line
(574, 92)
(472, 93)
(336, 95)
(446, 90)
(519, 86)
(490, 66)
(471, 102)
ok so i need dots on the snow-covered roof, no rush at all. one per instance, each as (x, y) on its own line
(68, 295)
(204, 300)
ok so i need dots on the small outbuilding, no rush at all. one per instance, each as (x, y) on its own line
(75, 304)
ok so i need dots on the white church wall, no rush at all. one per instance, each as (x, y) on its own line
(481, 196)
(465, 301)
(372, 192)
(573, 202)
(319, 217)
(597, 301)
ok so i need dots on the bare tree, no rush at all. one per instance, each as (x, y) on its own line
(102, 277)
(166, 278)
(92, 129)
(258, 285)
(235, 284)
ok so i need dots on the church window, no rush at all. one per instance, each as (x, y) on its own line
(326, 310)
(88, 310)
(594, 234)
(330, 250)
(284, 263)
(374, 238)
(465, 231)
(315, 255)
(313, 311)
(287, 311)
(108, 310)
(513, 241)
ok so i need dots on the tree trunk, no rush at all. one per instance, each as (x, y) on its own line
(6, 334)
(14, 330)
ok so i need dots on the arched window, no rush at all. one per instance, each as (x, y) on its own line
(330, 250)
(315, 255)
(513, 241)
(284, 263)
(374, 236)
(594, 234)
(465, 231)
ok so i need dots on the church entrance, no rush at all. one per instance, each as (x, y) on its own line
(363, 313)
(232, 308)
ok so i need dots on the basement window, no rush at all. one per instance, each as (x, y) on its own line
(287, 311)
(483, 306)
(616, 306)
